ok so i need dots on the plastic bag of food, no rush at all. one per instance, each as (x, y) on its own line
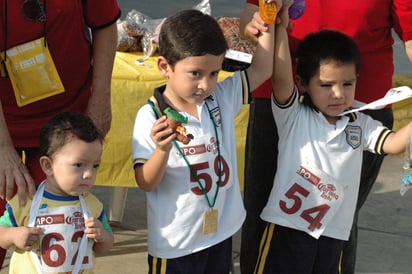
(134, 23)
(139, 32)
(125, 42)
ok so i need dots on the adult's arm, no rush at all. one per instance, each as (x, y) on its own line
(104, 50)
(408, 49)
(12, 169)
(402, 23)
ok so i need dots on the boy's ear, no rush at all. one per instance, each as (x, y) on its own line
(163, 66)
(299, 83)
(46, 165)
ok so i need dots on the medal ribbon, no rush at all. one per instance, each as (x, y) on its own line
(192, 171)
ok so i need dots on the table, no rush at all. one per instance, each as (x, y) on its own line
(132, 86)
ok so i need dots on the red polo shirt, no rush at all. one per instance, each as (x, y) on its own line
(370, 23)
(66, 25)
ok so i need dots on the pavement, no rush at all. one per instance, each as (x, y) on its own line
(385, 229)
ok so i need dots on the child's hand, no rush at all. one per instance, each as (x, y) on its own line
(162, 135)
(94, 230)
(256, 25)
(103, 239)
(284, 13)
(26, 237)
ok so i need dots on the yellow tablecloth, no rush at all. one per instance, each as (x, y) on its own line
(132, 85)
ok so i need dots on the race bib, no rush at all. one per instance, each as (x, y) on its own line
(203, 158)
(310, 200)
(59, 246)
(32, 72)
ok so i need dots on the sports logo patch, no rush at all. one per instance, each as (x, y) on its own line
(353, 136)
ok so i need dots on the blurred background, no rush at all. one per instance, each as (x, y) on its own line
(161, 8)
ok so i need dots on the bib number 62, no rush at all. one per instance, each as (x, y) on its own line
(312, 215)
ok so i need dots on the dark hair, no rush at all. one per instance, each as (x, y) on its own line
(58, 131)
(325, 45)
(190, 33)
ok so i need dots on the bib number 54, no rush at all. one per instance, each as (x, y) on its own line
(313, 215)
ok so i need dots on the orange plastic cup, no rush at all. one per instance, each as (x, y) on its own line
(267, 11)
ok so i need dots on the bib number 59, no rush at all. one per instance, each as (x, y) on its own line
(312, 215)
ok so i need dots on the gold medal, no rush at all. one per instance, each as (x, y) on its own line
(210, 221)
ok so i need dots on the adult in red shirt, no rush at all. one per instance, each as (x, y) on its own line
(82, 38)
(370, 23)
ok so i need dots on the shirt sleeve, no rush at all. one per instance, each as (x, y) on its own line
(97, 209)
(5, 220)
(101, 13)
(254, 2)
(18, 215)
(105, 222)
(402, 18)
(142, 144)
(374, 134)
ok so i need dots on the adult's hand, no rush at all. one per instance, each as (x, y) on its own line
(14, 172)
(99, 110)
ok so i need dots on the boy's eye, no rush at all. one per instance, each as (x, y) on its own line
(77, 164)
(96, 166)
(215, 73)
(195, 73)
(325, 85)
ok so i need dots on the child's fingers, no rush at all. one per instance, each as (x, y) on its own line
(160, 130)
(32, 238)
(257, 21)
(35, 231)
(161, 136)
(95, 234)
(288, 3)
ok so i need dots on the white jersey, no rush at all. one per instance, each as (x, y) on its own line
(175, 208)
(319, 165)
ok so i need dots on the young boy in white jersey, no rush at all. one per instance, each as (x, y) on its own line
(193, 195)
(51, 232)
(310, 210)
